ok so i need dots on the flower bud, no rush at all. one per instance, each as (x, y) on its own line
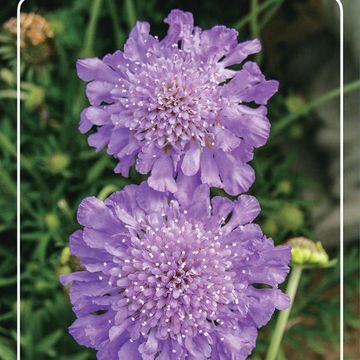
(35, 37)
(284, 187)
(52, 221)
(295, 103)
(35, 96)
(63, 270)
(290, 218)
(7, 76)
(270, 227)
(65, 255)
(57, 163)
(307, 252)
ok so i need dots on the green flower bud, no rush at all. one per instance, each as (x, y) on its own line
(284, 187)
(35, 96)
(307, 252)
(65, 255)
(57, 163)
(295, 103)
(41, 285)
(63, 270)
(290, 218)
(270, 227)
(7, 76)
(52, 221)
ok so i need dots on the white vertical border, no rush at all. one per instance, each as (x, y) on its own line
(341, 17)
(18, 295)
(18, 269)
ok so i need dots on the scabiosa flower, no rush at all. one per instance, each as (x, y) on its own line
(170, 279)
(175, 107)
(35, 39)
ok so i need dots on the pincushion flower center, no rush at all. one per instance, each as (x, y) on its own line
(178, 272)
(178, 103)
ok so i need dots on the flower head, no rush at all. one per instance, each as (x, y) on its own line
(174, 106)
(173, 278)
(34, 29)
(309, 253)
(35, 37)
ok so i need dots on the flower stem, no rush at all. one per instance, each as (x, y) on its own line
(254, 19)
(91, 29)
(288, 119)
(269, 15)
(87, 50)
(284, 315)
(248, 18)
(130, 13)
(119, 36)
(11, 94)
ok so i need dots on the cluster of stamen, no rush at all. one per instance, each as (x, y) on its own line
(171, 100)
(177, 278)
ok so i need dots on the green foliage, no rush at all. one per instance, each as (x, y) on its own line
(58, 170)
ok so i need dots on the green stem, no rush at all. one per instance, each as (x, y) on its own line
(87, 50)
(130, 13)
(91, 29)
(284, 315)
(106, 191)
(119, 37)
(11, 94)
(287, 120)
(8, 185)
(246, 19)
(254, 19)
(7, 144)
(269, 15)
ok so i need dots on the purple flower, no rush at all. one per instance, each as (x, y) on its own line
(173, 278)
(176, 107)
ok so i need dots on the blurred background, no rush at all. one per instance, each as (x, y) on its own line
(297, 170)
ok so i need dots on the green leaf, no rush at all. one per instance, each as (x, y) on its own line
(47, 344)
(6, 352)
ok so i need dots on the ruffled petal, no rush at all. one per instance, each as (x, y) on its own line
(139, 41)
(209, 169)
(149, 349)
(191, 162)
(94, 69)
(94, 214)
(85, 124)
(199, 205)
(91, 330)
(237, 178)
(264, 302)
(198, 347)
(245, 209)
(162, 178)
(226, 140)
(249, 85)
(101, 138)
(97, 116)
(181, 25)
(98, 92)
(130, 351)
(236, 346)
(124, 165)
(241, 52)
(250, 124)
(149, 200)
(217, 42)
(186, 186)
